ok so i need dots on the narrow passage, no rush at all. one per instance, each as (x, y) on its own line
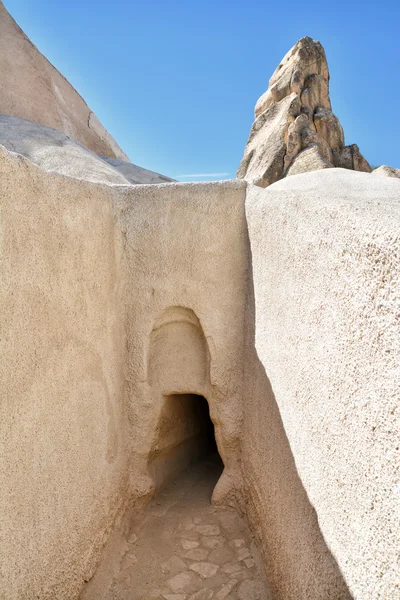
(182, 548)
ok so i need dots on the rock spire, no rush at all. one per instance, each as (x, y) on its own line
(295, 129)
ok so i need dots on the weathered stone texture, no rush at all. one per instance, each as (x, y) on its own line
(118, 303)
(56, 152)
(31, 88)
(295, 129)
(326, 324)
(385, 171)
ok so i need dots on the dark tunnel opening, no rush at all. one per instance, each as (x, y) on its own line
(186, 436)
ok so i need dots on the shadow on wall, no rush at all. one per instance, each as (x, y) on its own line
(299, 564)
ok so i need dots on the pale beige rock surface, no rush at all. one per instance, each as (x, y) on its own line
(132, 315)
(295, 130)
(31, 88)
(83, 423)
(325, 266)
(63, 457)
(134, 174)
(126, 303)
(54, 151)
(385, 171)
(266, 147)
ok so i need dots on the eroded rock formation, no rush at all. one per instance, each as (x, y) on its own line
(54, 151)
(124, 307)
(386, 171)
(32, 88)
(295, 129)
(43, 118)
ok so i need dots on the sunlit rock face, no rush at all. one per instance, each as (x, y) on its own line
(385, 171)
(295, 130)
(138, 321)
(56, 152)
(43, 118)
(32, 88)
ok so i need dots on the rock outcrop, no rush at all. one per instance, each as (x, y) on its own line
(295, 129)
(385, 171)
(134, 174)
(31, 88)
(54, 151)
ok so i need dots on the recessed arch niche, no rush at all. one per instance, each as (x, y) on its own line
(179, 359)
(178, 374)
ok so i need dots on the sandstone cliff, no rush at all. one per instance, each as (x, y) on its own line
(295, 129)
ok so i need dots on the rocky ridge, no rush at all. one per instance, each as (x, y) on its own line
(295, 130)
(33, 89)
(54, 151)
(385, 171)
(43, 118)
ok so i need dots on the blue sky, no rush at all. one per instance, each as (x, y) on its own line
(175, 81)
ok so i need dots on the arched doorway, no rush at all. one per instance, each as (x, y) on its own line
(185, 435)
(179, 367)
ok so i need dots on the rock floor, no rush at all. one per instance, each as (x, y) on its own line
(182, 548)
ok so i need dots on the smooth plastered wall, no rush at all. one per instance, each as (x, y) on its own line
(90, 277)
(325, 263)
(180, 268)
(62, 432)
(280, 308)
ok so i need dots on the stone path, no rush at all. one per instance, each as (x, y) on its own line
(184, 549)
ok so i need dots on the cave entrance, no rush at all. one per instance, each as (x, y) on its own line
(185, 436)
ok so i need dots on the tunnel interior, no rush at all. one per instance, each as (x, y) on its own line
(185, 436)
